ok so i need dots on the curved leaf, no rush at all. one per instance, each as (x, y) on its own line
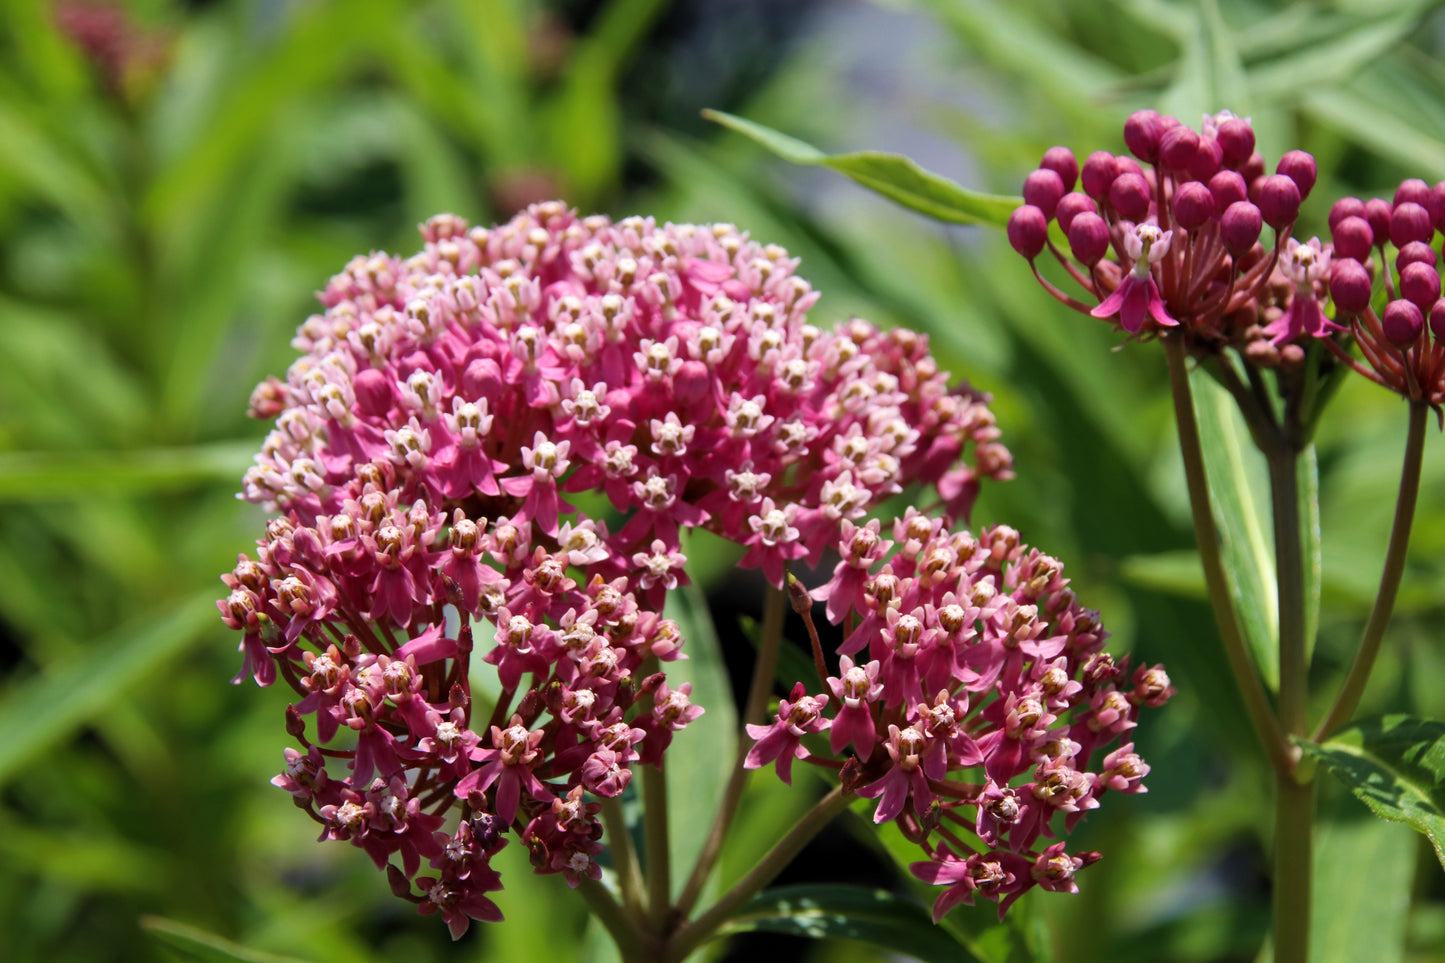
(892, 175)
(196, 944)
(1396, 766)
(873, 916)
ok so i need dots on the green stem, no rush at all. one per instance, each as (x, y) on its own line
(1354, 685)
(693, 934)
(774, 608)
(1256, 702)
(615, 920)
(1289, 572)
(659, 867)
(629, 878)
(1294, 818)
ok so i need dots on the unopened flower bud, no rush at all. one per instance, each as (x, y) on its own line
(1279, 200)
(1349, 285)
(1253, 168)
(1436, 206)
(1377, 213)
(1416, 252)
(1177, 147)
(1061, 161)
(1437, 321)
(1028, 230)
(1098, 175)
(1044, 189)
(373, 392)
(1129, 195)
(1236, 139)
(1353, 238)
(1420, 285)
(1299, 166)
(1410, 222)
(1346, 207)
(1072, 205)
(1227, 187)
(1239, 227)
(1413, 191)
(1142, 133)
(1208, 159)
(1193, 204)
(1089, 238)
(1402, 323)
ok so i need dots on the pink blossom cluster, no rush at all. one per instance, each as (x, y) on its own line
(973, 700)
(511, 428)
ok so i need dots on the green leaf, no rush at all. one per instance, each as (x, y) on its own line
(29, 476)
(197, 944)
(892, 175)
(1237, 485)
(793, 664)
(1396, 766)
(703, 753)
(1308, 468)
(46, 710)
(1363, 869)
(873, 916)
(1210, 75)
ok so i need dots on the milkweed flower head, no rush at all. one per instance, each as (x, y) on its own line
(974, 701)
(492, 448)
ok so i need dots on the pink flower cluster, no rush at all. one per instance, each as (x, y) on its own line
(975, 695)
(512, 427)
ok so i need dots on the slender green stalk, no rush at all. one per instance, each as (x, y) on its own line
(692, 935)
(659, 866)
(1294, 819)
(1256, 702)
(629, 877)
(774, 608)
(615, 920)
(1289, 572)
(1354, 685)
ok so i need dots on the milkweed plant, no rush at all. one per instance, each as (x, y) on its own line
(490, 460)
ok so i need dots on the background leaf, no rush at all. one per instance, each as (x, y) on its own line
(197, 944)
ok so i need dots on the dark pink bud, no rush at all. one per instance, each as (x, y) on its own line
(1402, 322)
(373, 392)
(1410, 222)
(1299, 166)
(1043, 189)
(1252, 168)
(1061, 161)
(1142, 132)
(482, 379)
(1436, 207)
(1437, 321)
(1227, 187)
(1193, 204)
(1236, 139)
(1349, 285)
(1377, 212)
(1239, 227)
(1071, 206)
(1088, 237)
(1028, 230)
(1420, 285)
(1098, 174)
(1207, 160)
(1123, 164)
(1353, 238)
(1278, 201)
(692, 383)
(1413, 191)
(1346, 207)
(1177, 147)
(1129, 194)
(1416, 252)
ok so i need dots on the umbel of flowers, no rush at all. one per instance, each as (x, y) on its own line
(507, 431)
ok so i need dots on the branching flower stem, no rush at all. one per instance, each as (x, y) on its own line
(1354, 685)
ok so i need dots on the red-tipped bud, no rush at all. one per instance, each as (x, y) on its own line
(1346, 207)
(1416, 252)
(1193, 204)
(1227, 187)
(1278, 201)
(1177, 147)
(1353, 238)
(1072, 205)
(1349, 285)
(1436, 207)
(1402, 322)
(1129, 194)
(1098, 174)
(1299, 166)
(1410, 222)
(1239, 227)
(1061, 161)
(1413, 191)
(1028, 231)
(1420, 285)
(1044, 189)
(1236, 139)
(1252, 169)
(1142, 133)
(1088, 237)
(1437, 321)
(1377, 212)
(1207, 160)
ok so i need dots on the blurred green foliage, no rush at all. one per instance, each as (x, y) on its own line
(169, 202)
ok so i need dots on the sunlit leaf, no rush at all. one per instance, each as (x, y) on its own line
(45, 476)
(892, 175)
(1359, 915)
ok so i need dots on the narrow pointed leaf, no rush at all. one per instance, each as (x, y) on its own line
(196, 944)
(41, 476)
(851, 913)
(894, 176)
(1396, 766)
(1308, 467)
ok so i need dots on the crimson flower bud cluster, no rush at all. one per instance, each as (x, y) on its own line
(973, 700)
(447, 412)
